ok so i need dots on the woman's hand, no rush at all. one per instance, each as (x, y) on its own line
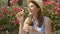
(19, 17)
(29, 29)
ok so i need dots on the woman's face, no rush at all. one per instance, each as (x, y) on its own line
(33, 9)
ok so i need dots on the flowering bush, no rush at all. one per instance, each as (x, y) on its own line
(8, 21)
(52, 10)
(7, 17)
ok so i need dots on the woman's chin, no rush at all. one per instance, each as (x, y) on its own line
(30, 13)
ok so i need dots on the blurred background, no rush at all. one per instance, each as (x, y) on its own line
(9, 8)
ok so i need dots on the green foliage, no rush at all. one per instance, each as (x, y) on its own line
(50, 9)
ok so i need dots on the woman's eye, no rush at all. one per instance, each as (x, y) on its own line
(32, 6)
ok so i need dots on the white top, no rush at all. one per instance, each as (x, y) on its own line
(39, 29)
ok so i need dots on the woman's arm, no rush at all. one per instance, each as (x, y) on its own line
(48, 26)
(21, 24)
(21, 31)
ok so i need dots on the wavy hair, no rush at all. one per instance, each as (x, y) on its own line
(39, 15)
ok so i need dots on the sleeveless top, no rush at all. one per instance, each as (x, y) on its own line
(41, 29)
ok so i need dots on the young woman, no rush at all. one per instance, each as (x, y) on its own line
(36, 23)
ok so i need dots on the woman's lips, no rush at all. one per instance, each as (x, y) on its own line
(30, 12)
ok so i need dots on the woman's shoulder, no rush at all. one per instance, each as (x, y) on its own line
(47, 19)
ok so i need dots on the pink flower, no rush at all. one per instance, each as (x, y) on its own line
(56, 13)
(53, 2)
(15, 22)
(46, 4)
(4, 10)
(17, 9)
(16, 0)
(55, 8)
(11, 14)
(58, 9)
(11, 3)
(58, 5)
(48, 10)
(1, 15)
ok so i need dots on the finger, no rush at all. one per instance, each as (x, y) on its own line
(30, 27)
(27, 30)
(18, 15)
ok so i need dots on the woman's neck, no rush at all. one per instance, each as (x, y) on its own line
(35, 17)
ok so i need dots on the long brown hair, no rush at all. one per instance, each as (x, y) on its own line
(39, 15)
